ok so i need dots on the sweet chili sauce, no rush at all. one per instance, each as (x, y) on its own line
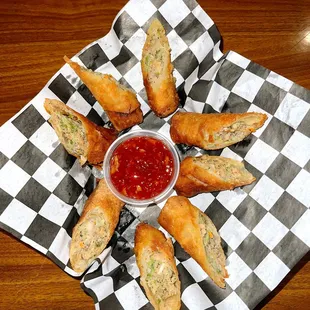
(141, 167)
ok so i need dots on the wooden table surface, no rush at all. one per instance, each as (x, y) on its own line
(35, 35)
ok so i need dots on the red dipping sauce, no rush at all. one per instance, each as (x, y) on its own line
(141, 167)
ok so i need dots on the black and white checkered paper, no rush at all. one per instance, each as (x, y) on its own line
(264, 226)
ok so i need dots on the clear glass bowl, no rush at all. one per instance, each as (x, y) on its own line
(141, 133)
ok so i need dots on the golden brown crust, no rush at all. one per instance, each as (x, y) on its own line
(119, 102)
(199, 129)
(122, 121)
(98, 138)
(98, 148)
(181, 219)
(148, 237)
(163, 99)
(101, 197)
(194, 178)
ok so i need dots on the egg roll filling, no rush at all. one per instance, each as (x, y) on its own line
(212, 245)
(91, 237)
(156, 58)
(160, 278)
(227, 170)
(71, 132)
(235, 132)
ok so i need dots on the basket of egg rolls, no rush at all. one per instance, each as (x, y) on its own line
(187, 224)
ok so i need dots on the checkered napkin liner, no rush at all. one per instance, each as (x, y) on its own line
(264, 226)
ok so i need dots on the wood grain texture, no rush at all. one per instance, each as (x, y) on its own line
(34, 37)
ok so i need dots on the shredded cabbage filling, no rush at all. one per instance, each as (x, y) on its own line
(161, 279)
(71, 131)
(212, 245)
(91, 237)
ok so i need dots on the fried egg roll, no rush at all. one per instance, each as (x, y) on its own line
(157, 71)
(159, 274)
(119, 103)
(205, 174)
(197, 235)
(80, 137)
(95, 227)
(214, 131)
